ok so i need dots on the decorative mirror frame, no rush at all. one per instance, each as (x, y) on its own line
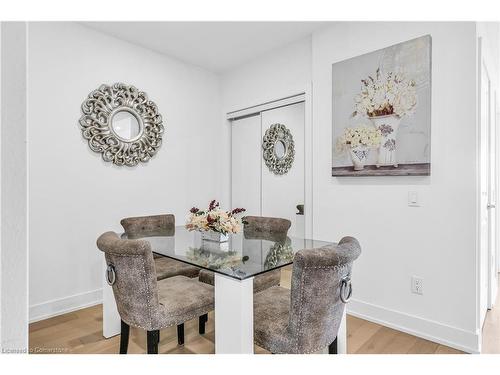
(278, 133)
(96, 124)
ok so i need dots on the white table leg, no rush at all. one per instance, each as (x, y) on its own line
(233, 315)
(111, 321)
(342, 335)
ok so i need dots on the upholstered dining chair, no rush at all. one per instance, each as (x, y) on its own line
(142, 300)
(307, 318)
(260, 228)
(164, 225)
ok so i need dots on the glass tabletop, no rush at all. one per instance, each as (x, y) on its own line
(241, 257)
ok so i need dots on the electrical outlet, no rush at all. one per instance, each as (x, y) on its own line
(417, 285)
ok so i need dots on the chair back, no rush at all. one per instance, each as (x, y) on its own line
(265, 228)
(134, 280)
(316, 304)
(142, 226)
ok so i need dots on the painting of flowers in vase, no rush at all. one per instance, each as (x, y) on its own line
(381, 112)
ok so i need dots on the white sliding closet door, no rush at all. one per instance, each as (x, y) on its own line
(246, 165)
(282, 193)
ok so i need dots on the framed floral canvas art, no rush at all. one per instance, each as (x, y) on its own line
(381, 112)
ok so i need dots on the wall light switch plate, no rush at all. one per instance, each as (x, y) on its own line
(413, 199)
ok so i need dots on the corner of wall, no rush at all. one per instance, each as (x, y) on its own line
(14, 254)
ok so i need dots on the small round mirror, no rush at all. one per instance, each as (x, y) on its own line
(125, 125)
(280, 149)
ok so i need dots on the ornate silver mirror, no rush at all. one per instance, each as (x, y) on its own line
(126, 125)
(278, 149)
(121, 123)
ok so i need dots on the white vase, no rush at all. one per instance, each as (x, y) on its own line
(359, 155)
(388, 126)
(212, 236)
(214, 241)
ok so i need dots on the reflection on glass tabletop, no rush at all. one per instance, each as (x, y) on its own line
(244, 255)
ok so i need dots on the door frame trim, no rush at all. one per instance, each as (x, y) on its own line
(483, 61)
(305, 96)
(254, 110)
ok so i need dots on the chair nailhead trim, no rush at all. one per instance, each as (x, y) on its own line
(148, 292)
(341, 267)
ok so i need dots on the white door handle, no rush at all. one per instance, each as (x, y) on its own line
(490, 206)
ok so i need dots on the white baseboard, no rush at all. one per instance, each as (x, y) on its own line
(64, 305)
(427, 329)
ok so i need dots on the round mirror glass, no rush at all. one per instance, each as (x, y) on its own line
(280, 149)
(125, 125)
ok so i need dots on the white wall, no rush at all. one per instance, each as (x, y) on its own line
(275, 202)
(73, 194)
(14, 255)
(0, 184)
(274, 75)
(436, 241)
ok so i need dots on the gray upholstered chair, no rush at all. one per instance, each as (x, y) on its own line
(261, 228)
(266, 228)
(163, 225)
(142, 300)
(306, 318)
(136, 227)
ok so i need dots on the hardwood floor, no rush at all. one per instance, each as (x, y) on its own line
(81, 332)
(491, 329)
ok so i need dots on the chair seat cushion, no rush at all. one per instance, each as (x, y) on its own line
(167, 267)
(182, 299)
(207, 277)
(271, 309)
(260, 282)
(266, 280)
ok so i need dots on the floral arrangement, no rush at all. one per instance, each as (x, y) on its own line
(278, 254)
(215, 219)
(386, 94)
(362, 135)
(229, 259)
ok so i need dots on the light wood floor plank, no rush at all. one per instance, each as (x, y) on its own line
(422, 346)
(81, 332)
(354, 323)
(447, 350)
(491, 329)
(378, 342)
(356, 339)
(400, 344)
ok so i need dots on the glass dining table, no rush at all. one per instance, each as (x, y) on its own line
(234, 263)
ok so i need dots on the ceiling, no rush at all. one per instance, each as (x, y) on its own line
(216, 46)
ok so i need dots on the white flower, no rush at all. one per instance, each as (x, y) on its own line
(386, 94)
(214, 219)
(362, 135)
